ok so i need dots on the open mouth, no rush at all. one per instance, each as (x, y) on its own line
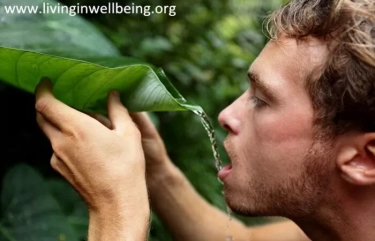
(223, 173)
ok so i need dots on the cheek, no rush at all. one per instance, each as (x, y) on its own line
(280, 141)
(282, 126)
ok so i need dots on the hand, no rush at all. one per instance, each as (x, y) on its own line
(153, 146)
(105, 166)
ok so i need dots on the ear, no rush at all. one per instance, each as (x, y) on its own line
(356, 159)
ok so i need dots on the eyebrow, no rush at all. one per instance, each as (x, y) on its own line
(259, 84)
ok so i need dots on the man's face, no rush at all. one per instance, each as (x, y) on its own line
(278, 166)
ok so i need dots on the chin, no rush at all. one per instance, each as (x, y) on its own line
(236, 198)
(247, 200)
(240, 207)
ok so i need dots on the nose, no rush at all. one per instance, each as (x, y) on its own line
(223, 119)
(228, 119)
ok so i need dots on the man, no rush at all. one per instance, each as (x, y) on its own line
(301, 141)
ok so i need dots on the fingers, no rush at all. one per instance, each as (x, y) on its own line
(52, 109)
(48, 129)
(102, 119)
(118, 114)
(144, 123)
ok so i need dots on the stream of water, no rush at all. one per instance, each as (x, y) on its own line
(211, 134)
(218, 163)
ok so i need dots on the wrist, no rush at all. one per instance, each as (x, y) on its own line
(119, 223)
(159, 172)
(161, 181)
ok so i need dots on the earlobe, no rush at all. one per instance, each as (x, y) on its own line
(356, 161)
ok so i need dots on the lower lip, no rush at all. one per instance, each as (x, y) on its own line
(223, 173)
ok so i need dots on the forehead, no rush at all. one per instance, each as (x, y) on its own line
(290, 59)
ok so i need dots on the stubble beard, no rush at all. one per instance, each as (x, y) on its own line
(296, 198)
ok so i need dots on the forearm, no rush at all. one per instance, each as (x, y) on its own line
(285, 230)
(114, 227)
(186, 214)
(123, 221)
(189, 217)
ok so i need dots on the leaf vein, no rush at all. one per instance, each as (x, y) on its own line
(16, 68)
(49, 58)
(100, 87)
(79, 81)
(73, 66)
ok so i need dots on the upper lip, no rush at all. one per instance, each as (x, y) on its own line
(226, 141)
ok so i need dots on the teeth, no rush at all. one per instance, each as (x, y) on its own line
(371, 149)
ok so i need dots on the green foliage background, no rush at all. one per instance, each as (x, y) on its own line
(205, 51)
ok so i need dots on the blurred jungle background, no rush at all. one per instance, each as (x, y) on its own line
(205, 50)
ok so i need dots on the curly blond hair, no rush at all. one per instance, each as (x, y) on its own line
(342, 89)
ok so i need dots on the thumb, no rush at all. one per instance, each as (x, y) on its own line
(118, 114)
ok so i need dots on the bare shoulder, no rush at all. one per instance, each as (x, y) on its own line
(283, 230)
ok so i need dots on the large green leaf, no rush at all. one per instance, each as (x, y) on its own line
(59, 34)
(29, 212)
(85, 85)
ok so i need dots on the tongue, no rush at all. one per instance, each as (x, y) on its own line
(223, 173)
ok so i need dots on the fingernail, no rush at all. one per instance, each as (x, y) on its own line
(116, 94)
(46, 81)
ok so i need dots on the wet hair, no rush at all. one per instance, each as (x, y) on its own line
(342, 89)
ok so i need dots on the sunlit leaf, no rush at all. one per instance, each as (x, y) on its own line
(85, 86)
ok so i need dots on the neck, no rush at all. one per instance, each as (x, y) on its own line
(351, 219)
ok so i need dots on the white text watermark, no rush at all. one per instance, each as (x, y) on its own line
(110, 8)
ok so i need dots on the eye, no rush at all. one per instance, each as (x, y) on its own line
(258, 103)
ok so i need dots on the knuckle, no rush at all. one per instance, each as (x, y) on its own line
(39, 119)
(57, 147)
(134, 132)
(76, 132)
(55, 164)
(73, 133)
(42, 105)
